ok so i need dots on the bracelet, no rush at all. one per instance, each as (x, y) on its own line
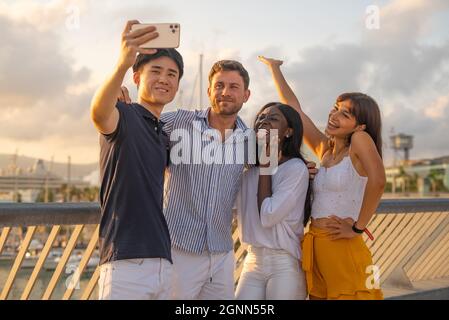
(358, 231)
(369, 234)
(354, 228)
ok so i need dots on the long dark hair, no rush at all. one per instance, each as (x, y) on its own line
(292, 145)
(366, 111)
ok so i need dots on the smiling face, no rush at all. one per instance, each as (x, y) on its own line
(227, 92)
(341, 121)
(158, 81)
(273, 118)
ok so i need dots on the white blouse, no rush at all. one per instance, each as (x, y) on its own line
(280, 223)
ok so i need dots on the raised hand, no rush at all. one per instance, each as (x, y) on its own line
(270, 61)
(131, 40)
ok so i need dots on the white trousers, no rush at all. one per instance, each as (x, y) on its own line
(203, 277)
(135, 279)
(271, 275)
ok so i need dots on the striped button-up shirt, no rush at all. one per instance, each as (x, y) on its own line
(200, 193)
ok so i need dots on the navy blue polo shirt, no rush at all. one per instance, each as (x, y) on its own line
(132, 165)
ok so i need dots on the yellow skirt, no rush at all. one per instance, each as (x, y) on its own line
(338, 269)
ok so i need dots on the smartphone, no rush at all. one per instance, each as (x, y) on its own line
(169, 35)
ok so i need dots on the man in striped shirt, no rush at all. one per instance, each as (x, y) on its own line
(200, 193)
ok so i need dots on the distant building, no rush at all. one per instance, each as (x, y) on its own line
(427, 174)
(402, 142)
(93, 178)
(29, 183)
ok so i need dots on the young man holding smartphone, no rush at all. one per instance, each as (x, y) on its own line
(135, 248)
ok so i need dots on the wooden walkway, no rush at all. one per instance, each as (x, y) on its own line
(420, 288)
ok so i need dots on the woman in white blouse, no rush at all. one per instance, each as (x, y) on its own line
(272, 211)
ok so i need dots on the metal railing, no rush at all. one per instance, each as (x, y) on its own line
(54, 215)
(411, 242)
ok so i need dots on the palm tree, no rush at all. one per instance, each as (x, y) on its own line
(405, 179)
(436, 177)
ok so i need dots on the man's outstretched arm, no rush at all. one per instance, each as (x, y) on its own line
(103, 112)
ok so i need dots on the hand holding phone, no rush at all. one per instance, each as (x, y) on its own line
(169, 35)
(131, 42)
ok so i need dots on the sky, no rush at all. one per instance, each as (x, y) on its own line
(55, 54)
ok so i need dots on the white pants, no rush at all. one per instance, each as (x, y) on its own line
(271, 275)
(135, 279)
(203, 277)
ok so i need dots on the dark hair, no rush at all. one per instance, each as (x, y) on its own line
(366, 111)
(292, 145)
(229, 65)
(173, 54)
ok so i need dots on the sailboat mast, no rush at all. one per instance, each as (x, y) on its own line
(69, 164)
(200, 87)
(15, 172)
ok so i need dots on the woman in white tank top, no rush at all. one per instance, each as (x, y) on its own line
(347, 191)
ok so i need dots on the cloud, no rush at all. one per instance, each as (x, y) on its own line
(404, 21)
(38, 84)
(45, 90)
(43, 16)
(143, 12)
(438, 109)
(66, 116)
(32, 65)
(430, 132)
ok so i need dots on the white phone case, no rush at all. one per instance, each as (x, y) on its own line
(169, 35)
